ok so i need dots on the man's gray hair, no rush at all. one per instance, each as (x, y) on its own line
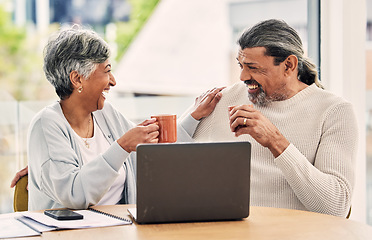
(72, 49)
(280, 41)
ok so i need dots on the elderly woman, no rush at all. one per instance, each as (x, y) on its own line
(80, 148)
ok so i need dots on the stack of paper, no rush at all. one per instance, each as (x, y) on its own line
(22, 224)
(11, 227)
(91, 219)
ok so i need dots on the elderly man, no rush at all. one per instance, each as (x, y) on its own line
(304, 139)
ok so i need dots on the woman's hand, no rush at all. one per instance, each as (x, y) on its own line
(205, 103)
(18, 176)
(145, 132)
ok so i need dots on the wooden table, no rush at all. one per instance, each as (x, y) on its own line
(263, 223)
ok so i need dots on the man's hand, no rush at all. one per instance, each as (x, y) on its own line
(18, 176)
(205, 103)
(245, 119)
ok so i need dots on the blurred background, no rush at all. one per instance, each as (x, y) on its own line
(167, 52)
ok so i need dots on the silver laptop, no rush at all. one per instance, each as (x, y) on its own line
(183, 182)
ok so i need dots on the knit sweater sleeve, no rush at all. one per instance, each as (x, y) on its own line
(326, 186)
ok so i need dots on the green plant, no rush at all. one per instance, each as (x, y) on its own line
(127, 31)
(21, 62)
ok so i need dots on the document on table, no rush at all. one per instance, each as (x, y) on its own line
(92, 218)
(11, 227)
(24, 224)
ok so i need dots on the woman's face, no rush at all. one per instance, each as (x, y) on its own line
(98, 85)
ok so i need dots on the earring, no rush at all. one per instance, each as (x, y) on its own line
(80, 89)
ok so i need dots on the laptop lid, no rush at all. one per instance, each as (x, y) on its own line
(180, 182)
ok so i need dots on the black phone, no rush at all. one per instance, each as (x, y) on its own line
(64, 214)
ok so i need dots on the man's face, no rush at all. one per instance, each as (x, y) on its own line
(266, 82)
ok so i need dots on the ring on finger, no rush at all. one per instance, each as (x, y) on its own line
(245, 122)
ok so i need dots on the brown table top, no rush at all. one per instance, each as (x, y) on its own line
(262, 223)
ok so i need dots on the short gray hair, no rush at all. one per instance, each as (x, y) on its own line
(72, 49)
(280, 41)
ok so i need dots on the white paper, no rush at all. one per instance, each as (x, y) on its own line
(91, 219)
(11, 227)
(35, 225)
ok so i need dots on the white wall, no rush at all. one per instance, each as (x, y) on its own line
(343, 71)
(182, 50)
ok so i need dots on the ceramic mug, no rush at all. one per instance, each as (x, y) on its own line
(167, 127)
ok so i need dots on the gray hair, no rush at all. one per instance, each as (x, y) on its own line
(72, 49)
(280, 41)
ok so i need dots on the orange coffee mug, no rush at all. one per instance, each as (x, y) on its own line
(167, 127)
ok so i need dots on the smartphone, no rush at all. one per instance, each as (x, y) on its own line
(64, 214)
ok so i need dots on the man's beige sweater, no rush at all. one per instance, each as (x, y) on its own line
(316, 171)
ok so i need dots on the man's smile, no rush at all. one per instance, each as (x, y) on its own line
(252, 85)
